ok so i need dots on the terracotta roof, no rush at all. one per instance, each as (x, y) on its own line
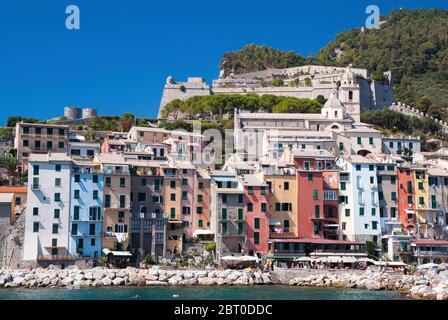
(430, 242)
(317, 241)
(13, 189)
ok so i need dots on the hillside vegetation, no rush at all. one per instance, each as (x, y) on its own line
(413, 44)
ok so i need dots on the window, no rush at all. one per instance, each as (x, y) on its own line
(240, 213)
(61, 145)
(361, 211)
(224, 228)
(200, 223)
(92, 242)
(224, 198)
(393, 179)
(95, 178)
(374, 225)
(36, 227)
(380, 195)
(25, 143)
(286, 225)
(76, 213)
(61, 132)
(393, 196)
(122, 201)
(240, 198)
(358, 167)
(256, 238)
(278, 206)
(370, 140)
(141, 196)
(37, 145)
(343, 186)
(373, 211)
(49, 145)
(95, 194)
(306, 165)
(201, 185)
(121, 216)
(107, 201)
(55, 228)
(250, 207)
(57, 197)
(57, 213)
(199, 210)
(317, 211)
(108, 182)
(359, 140)
(316, 228)
(200, 197)
(77, 178)
(344, 225)
(421, 200)
(257, 223)
(433, 202)
(122, 182)
(347, 212)
(173, 197)
(184, 182)
(173, 184)
(18, 201)
(286, 185)
(372, 180)
(393, 212)
(173, 213)
(184, 195)
(36, 170)
(315, 194)
(76, 194)
(420, 186)
(57, 182)
(366, 226)
(35, 211)
(409, 199)
(186, 210)
(341, 146)
(264, 207)
(240, 228)
(310, 177)
(371, 167)
(224, 214)
(262, 191)
(74, 229)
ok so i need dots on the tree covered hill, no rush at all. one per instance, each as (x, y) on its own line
(413, 44)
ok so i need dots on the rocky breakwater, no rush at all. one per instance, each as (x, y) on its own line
(99, 277)
(433, 285)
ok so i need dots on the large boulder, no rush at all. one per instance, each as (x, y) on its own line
(118, 281)
(106, 281)
(138, 281)
(67, 281)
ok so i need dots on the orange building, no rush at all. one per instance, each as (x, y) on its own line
(16, 198)
(405, 199)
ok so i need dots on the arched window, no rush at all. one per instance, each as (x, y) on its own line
(350, 95)
(143, 209)
(335, 126)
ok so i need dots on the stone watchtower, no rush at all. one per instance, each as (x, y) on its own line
(349, 95)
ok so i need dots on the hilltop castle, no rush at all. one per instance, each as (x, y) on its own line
(356, 87)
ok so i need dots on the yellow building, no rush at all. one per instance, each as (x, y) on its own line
(116, 202)
(421, 191)
(282, 205)
(172, 191)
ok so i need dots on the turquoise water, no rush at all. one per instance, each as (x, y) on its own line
(199, 293)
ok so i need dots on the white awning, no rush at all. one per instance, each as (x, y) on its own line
(409, 211)
(335, 225)
(274, 221)
(335, 259)
(240, 259)
(349, 259)
(117, 253)
(390, 264)
(202, 232)
(303, 259)
(322, 259)
(366, 260)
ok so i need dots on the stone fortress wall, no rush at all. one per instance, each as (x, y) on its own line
(411, 111)
(323, 81)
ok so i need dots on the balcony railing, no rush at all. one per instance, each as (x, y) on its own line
(431, 253)
(56, 258)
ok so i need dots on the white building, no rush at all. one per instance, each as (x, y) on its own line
(398, 145)
(358, 201)
(48, 209)
(83, 149)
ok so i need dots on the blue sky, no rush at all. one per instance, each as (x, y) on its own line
(119, 60)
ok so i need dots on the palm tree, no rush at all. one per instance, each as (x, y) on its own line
(11, 165)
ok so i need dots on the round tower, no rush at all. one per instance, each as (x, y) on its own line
(89, 113)
(72, 113)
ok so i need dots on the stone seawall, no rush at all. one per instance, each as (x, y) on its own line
(99, 277)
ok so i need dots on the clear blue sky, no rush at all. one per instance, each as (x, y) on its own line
(119, 60)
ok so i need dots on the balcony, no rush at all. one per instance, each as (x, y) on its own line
(420, 253)
(56, 258)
